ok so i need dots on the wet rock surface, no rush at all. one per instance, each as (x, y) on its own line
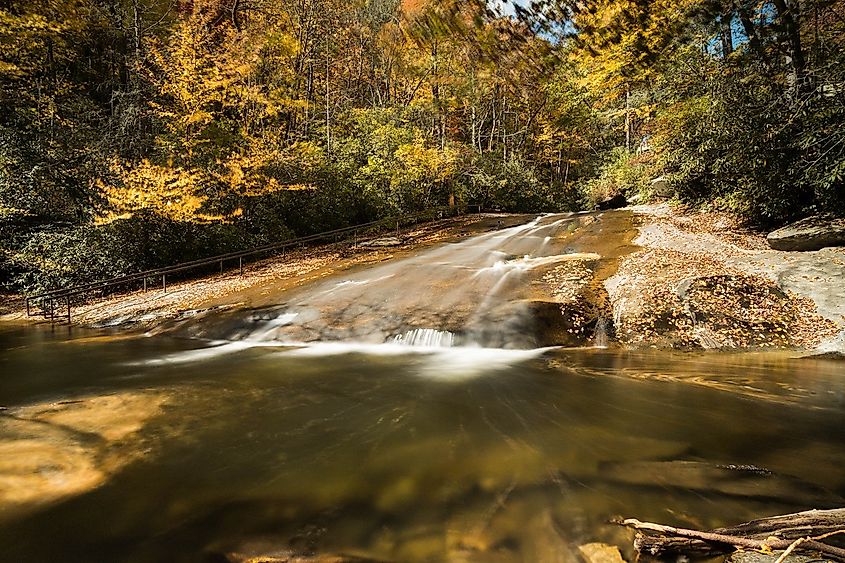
(812, 233)
(521, 287)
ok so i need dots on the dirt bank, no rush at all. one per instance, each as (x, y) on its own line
(700, 281)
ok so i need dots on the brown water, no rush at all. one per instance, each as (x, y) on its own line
(379, 455)
(117, 448)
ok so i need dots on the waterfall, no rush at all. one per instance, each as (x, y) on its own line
(425, 338)
(600, 335)
(480, 287)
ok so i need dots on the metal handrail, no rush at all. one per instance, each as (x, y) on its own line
(54, 296)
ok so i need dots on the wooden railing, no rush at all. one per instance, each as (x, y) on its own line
(56, 304)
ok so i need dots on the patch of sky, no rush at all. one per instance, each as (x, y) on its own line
(552, 31)
(764, 18)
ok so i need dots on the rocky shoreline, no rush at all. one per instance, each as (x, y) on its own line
(699, 281)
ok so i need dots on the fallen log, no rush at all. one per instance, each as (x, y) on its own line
(766, 534)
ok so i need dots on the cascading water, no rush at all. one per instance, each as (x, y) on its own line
(426, 338)
(475, 295)
(600, 338)
(473, 288)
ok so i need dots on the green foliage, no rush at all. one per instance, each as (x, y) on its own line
(741, 141)
(51, 259)
(515, 186)
(621, 173)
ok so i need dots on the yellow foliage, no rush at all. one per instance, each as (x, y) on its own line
(619, 37)
(172, 192)
(420, 164)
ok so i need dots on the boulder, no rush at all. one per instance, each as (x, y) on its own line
(615, 202)
(812, 233)
(660, 187)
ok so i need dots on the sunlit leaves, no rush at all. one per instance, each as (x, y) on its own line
(173, 192)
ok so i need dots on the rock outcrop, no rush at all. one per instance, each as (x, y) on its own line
(812, 233)
(660, 188)
(697, 283)
(616, 202)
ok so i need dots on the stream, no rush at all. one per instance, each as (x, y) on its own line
(410, 411)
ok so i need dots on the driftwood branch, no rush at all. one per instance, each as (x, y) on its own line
(801, 531)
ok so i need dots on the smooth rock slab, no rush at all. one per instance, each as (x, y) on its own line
(385, 242)
(812, 233)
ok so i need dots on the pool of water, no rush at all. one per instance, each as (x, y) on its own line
(132, 448)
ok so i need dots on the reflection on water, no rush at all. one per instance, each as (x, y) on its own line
(371, 454)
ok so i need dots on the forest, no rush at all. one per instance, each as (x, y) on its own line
(140, 133)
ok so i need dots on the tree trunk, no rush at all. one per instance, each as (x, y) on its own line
(726, 32)
(789, 17)
(328, 106)
(628, 117)
(749, 28)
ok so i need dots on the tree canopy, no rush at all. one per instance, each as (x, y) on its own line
(227, 123)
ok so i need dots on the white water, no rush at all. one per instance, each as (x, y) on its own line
(425, 338)
(460, 306)
(600, 338)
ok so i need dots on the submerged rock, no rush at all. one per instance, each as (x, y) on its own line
(600, 553)
(731, 480)
(812, 233)
(52, 451)
(275, 555)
